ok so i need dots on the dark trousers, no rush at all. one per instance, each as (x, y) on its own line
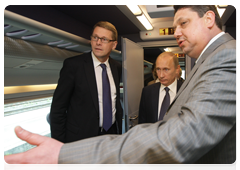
(111, 130)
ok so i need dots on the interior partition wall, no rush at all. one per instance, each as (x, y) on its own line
(133, 80)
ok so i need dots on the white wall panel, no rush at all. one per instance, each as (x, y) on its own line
(133, 77)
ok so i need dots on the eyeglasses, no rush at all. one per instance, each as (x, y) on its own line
(103, 40)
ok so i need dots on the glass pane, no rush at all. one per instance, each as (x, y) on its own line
(30, 115)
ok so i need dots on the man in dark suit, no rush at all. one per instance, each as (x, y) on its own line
(200, 124)
(77, 110)
(152, 99)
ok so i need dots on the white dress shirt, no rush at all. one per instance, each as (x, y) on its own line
(98, 74)
(162, 92)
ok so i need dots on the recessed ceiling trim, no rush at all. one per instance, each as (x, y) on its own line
(7, 26)
(64, 45)
(55, 42)
(72, 46)
(14, 33)
(27, 37)
(35, 26)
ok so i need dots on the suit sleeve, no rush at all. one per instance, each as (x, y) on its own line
(119, 72)
(117, 75)
(61, 99)
(142, 112)
(201, 123)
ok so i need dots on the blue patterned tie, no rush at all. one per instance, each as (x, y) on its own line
(165, 104)
(107, 101)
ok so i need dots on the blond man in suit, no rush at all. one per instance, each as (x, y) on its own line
(77, 110)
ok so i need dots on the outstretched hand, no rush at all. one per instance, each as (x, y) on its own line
(46, 152)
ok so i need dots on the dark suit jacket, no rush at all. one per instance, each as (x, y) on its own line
(75, 109)
(148, 109)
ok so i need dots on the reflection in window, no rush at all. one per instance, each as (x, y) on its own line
(30, 115)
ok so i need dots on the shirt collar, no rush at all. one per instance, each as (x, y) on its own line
(171, 86)
(209, 43)
(96, 62)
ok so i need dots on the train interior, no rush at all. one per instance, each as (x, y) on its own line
(37, 39)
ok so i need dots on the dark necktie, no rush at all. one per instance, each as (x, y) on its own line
(165, 104)
(107, 101)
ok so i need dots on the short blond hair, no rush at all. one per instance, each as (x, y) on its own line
(108, 26)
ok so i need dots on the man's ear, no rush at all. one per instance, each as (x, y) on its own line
(209, 19)
(178, 70)
(114, 45)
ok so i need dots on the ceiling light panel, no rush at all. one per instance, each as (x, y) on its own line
(135, 9)
(145, 22)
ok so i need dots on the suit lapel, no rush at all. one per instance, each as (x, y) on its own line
(221, 40)
(114, 71)
(91, 79)
(179, 83)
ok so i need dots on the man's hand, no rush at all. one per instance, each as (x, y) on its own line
(46, 152)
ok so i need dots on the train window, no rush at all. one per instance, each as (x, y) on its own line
(32, 116)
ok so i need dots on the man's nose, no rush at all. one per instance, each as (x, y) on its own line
(177, 33)
(99, 41)
(161, 74)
